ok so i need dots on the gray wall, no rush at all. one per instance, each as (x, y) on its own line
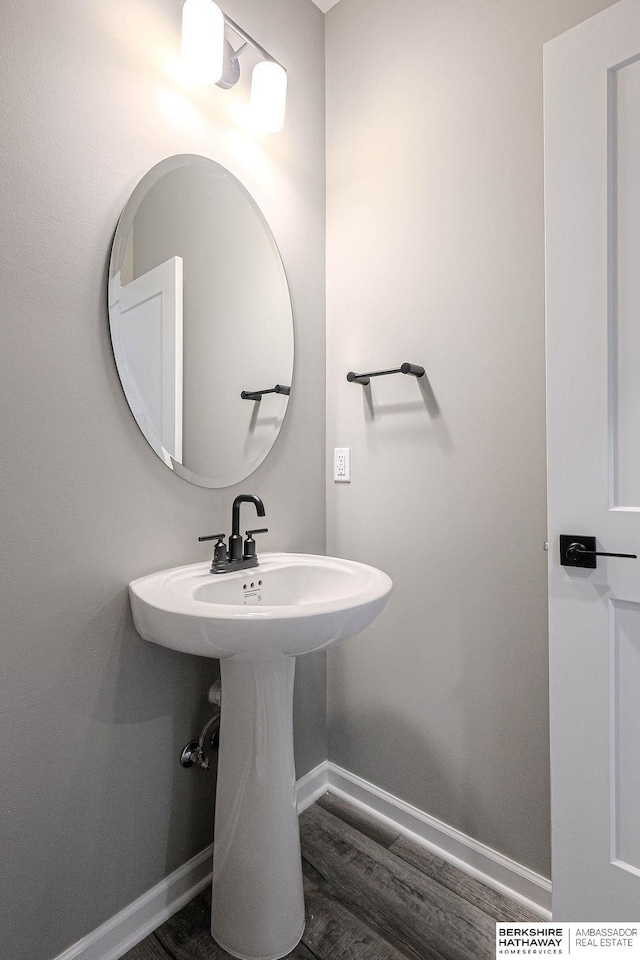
(95, 809)
(435, 256)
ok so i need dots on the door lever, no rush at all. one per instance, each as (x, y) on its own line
(577, 551)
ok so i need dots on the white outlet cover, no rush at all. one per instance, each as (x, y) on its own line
(342, 464)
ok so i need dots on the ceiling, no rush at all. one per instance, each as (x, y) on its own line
(325, 4)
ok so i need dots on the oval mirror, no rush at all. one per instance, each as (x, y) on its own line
(201, 321)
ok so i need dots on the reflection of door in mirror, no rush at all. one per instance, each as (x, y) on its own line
(147, 341)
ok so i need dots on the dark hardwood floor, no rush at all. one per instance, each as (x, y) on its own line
(370, 894)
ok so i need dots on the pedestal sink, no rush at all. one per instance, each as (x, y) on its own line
(256, 622)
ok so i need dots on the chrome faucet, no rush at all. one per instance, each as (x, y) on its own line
(240, 555)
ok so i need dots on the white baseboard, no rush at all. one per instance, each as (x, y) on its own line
(119, 934)
(135, 922)
(312, 785)
(472, 857)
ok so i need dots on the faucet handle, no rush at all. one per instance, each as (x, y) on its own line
(250, 544)
(220, 558)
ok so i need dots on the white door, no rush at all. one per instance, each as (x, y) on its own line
(592, 199)
(146, 317)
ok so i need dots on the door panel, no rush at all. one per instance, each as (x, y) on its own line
(624, 192)
(592, 203)
(625, 734)
(147, 337)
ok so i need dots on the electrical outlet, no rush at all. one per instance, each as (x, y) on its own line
(342, 464)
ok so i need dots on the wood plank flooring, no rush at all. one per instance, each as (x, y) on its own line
(370, 894)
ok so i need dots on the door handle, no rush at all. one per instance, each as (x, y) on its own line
(577, 551)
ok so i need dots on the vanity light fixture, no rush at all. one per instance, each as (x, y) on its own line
(268, 96)
(210, 58)
(203, 40)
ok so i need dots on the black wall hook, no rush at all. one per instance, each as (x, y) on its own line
(412, 368)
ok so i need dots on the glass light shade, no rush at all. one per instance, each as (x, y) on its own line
(202, 40)
(268, 96)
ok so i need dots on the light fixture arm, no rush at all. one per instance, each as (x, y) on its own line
(241, 49)
(231, 66)
(247, 41)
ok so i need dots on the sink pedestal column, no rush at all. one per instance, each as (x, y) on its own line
(258, 903)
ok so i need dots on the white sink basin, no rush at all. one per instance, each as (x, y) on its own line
(257, 621)
(290, 604)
